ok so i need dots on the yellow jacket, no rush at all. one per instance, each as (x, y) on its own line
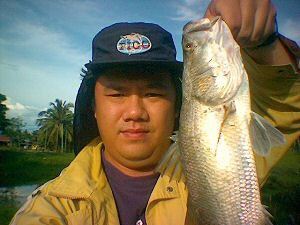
(82, 195)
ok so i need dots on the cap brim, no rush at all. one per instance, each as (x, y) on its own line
(173, 66)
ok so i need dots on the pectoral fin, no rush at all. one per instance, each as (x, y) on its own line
(264, 135)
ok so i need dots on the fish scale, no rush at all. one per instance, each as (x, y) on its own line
(208, 166)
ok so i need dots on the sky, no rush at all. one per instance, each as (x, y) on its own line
(45, 43)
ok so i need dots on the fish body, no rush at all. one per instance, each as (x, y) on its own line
(215, 138)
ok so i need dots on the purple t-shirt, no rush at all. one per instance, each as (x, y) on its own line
(131, 193)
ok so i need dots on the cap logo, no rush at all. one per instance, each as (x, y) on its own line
(133, 44)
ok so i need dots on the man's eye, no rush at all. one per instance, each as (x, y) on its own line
(116, 95)
(153, 94)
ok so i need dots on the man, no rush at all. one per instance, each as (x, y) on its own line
(130, 97)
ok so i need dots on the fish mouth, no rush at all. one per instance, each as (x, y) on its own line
(199, 25)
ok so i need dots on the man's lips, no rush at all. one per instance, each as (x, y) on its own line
(138, 133)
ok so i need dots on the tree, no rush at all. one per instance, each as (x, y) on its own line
(55, 125)
(4, 122)
(15, 130)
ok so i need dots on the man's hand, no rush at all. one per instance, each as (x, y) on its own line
(251, 21)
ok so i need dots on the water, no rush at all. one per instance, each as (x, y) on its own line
(15, 196)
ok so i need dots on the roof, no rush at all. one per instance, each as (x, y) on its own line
(4, 138)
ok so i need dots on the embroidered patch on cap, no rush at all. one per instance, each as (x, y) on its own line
(133, 44)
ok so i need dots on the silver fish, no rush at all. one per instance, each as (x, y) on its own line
(218, 132)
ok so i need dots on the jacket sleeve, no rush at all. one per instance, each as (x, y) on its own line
(38, 210)
(275, 94)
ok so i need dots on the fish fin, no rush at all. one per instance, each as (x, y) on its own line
(170, 164)
(264, 135)
(267, 215)
(228, 109)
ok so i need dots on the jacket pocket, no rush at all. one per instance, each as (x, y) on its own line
(80, 217)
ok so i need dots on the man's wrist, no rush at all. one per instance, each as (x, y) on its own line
(267, 54)
(271, 39)
(275, 54)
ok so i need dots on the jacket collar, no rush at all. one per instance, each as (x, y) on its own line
(82, 176)
(85, 174)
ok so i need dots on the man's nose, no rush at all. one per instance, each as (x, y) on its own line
(135, 109)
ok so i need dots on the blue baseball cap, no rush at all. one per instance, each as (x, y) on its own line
(134, 44)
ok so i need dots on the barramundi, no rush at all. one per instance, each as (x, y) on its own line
(218, 132)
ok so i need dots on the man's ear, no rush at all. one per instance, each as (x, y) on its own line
(95, 115)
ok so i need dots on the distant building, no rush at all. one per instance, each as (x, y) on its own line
(26, 144)
(4, 140)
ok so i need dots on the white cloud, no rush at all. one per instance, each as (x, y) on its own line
(190, 10)
(28, 114)
(17, 106)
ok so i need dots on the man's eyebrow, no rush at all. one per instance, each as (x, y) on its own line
(157, 85)
(115, 86)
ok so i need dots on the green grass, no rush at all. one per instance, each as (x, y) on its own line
(6, 214)
(21, 167)
(24, 168)
(281, 193)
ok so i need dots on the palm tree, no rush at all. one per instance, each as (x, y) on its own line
(55, 124)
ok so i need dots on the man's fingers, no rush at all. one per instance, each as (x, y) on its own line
(234, 24)
(264, 23)
(209, 13)
(270, 24)
(261, 18)
(229, 11)
(247, 9)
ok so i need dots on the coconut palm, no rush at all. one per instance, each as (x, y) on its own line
(56, 124)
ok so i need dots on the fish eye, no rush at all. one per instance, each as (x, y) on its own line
(188, 46)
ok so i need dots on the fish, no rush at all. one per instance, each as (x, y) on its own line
(218, 134)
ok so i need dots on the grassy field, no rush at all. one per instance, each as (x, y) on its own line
(20, 167)
(24, 168)
(281, 193)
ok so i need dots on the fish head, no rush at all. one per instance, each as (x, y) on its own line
(212, 72)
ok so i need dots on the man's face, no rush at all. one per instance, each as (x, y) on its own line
(135, 114)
